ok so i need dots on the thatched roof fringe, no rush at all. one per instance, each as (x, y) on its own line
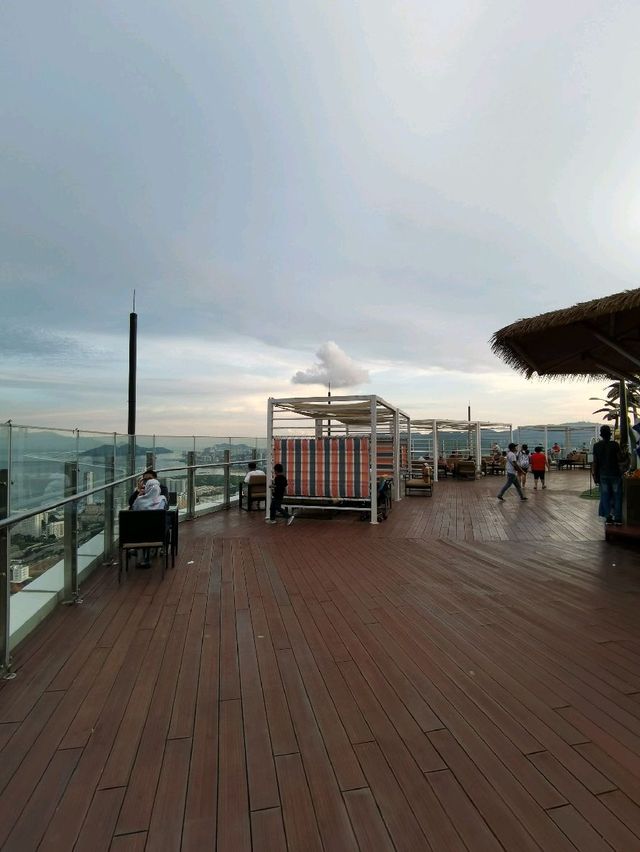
(582, 312)
(530, 344)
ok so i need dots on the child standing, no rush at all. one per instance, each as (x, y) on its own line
(539, 464)
(278, 488)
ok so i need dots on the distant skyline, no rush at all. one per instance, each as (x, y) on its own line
(276, 179)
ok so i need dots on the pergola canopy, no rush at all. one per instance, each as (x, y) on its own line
(458, 425)
(595, 340)
(352, 411)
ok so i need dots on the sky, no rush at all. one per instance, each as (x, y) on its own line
(362, 191)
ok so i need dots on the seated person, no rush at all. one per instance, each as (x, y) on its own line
(148, 474)
(151, 499)
(253, 471)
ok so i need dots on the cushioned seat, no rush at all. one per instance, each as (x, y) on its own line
(144, 530)
(254, 491)
(422, 484)
(465, 469)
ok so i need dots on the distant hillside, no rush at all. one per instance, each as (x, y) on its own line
(122, 450)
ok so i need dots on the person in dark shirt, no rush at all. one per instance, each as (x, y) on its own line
(607, 456)
(279, 487)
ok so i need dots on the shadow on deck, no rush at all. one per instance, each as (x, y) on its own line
(463, 676)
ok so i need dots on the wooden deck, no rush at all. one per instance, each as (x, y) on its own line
(463, 676)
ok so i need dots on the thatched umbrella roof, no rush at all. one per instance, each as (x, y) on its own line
(595, 340)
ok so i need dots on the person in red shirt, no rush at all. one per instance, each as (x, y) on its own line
(539, 464)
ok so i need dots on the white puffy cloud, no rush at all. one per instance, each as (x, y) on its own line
(334, 367)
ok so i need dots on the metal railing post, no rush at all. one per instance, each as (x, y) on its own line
(5, 579)
(71, 592)
(227, 479)
(109, 508)
(150, 461)
(191, 484)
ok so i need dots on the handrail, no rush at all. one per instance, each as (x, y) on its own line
(17, 518)
(69, 591)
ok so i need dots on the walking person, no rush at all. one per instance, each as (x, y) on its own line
(523, 462)
(278, 488)
(607, 474)
(513, 469)
(539, 465)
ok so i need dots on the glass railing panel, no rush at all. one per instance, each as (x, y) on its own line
(5, 434)
(209, 487)
(38, 458)
(145, 447)
(96, 450)
(36, 572)
(241, 449)
(237, 473)
(210, 449)
(122, 444)
(172, 452)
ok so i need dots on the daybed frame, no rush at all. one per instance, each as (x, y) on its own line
(474, 426)
(349, 416)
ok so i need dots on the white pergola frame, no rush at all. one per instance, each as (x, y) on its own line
(316, 416)
(562, 427)
(435, 424)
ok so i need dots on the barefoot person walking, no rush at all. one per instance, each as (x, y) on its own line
(513, 468)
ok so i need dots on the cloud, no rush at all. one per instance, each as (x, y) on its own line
(334, 367)
(24, 341)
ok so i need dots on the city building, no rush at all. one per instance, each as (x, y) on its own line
(19, 572)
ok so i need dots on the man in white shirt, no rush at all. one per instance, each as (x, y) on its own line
(512, 473)
(253, 471)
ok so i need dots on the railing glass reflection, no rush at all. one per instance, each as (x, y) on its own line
(39, 467)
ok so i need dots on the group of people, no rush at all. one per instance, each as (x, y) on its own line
(609, 464)
(608, 467)
(519, 463)
(149, 494)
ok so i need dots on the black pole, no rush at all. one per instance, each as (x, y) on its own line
(133, 334)
(131, 420)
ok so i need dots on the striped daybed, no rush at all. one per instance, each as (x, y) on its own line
(326, 473)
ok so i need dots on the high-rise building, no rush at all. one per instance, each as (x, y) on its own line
(55, 528)
(32, 526)
(88, 484)
(19, 572)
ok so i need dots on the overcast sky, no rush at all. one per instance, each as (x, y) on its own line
(367, 186)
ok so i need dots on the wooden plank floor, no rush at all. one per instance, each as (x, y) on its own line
(465, 676)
